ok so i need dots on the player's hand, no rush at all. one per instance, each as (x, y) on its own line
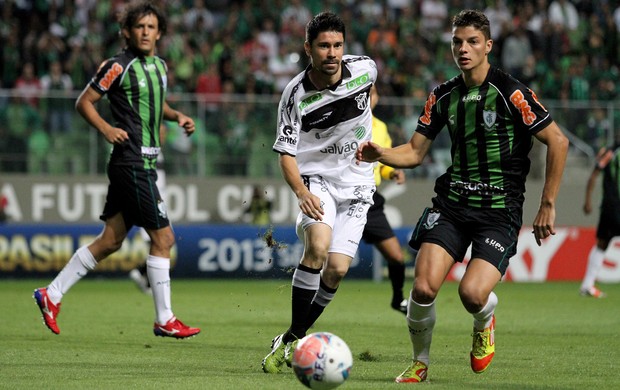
(187, 124)
(310, 205)
(398, 175)
(587, 208)
(368, 151)
(116, 135)
(543, 223)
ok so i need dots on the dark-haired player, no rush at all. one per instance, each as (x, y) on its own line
(492, 119)
(135, 83)
(323, 115)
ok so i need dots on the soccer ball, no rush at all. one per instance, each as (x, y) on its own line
(322, 361)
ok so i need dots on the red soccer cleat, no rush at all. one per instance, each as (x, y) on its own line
(175, 328)
(48, 309)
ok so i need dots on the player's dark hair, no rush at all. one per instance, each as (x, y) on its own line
(136, 10)
(325, 21)
(474, 18)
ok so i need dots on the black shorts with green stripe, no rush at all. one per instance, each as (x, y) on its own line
(132, 191)
(492, 233)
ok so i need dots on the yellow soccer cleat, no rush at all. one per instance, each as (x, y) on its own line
(483, 348)
(416, 373)
(273, 362)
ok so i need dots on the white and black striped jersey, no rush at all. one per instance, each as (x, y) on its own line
(323, 129)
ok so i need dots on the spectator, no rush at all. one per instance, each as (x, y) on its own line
(563, 13)
(283, 66)
(499, 17)
(268, 37)
(58, 86)
(293, 19)
(598, 128)
(433, 18)
(209, 86)
(199, 18)
(516, 51)
(19, 119)
(383, 37)
(28, 85)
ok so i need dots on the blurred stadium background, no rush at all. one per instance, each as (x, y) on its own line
(229, 61)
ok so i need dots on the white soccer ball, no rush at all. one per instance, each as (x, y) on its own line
(322, 361)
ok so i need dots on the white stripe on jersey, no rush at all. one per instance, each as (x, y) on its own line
(323, 129)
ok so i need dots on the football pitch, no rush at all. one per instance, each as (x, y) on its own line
(547, 337)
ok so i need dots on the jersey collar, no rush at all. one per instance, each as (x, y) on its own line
(309, 86)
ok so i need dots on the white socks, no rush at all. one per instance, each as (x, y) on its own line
(158, 271)
(595, 262)
(421, 321)
(78, 266)
(483, 318)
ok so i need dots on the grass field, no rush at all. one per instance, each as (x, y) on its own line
(547, 337)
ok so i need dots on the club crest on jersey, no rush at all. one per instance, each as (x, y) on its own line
(431, 220)
(362, 101)
(489, 118)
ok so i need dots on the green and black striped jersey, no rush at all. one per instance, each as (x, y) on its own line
(491, 127)
(136, 88)
(608, 160)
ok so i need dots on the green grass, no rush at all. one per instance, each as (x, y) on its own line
(548, 337)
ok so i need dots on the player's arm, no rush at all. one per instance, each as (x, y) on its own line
(85, 106)
(602, 157)
(183, 120)
(587, 203)
(408, 155)
(309, 203)
(557, 148)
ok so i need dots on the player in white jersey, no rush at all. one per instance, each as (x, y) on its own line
(324, 114)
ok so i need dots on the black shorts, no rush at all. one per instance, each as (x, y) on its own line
(132, 192)
(492, 233)
(608, 224)
(377, 227)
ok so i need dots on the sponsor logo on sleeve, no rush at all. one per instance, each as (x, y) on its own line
(518, 100)
(110, 76)
(430, 102)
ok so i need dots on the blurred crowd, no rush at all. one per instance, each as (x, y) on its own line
(563, 49)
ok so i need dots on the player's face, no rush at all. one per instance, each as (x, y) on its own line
(326, 53)
(469, 47)
(143, 35)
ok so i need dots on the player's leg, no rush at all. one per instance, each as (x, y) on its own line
(379, 233)
(494, 242)
(595, 263)
(139, 274)
(316, 237)
(335, 269)
(476, 292)
(440, 240)
(158, 270)
(83, 260)
(392, 252)
(433, 263)
(348, 226)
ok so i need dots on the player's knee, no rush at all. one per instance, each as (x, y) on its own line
(163, 242)
(334, 275)
(316, 254)
(423, 293)
(105, 246)
(473, 298)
